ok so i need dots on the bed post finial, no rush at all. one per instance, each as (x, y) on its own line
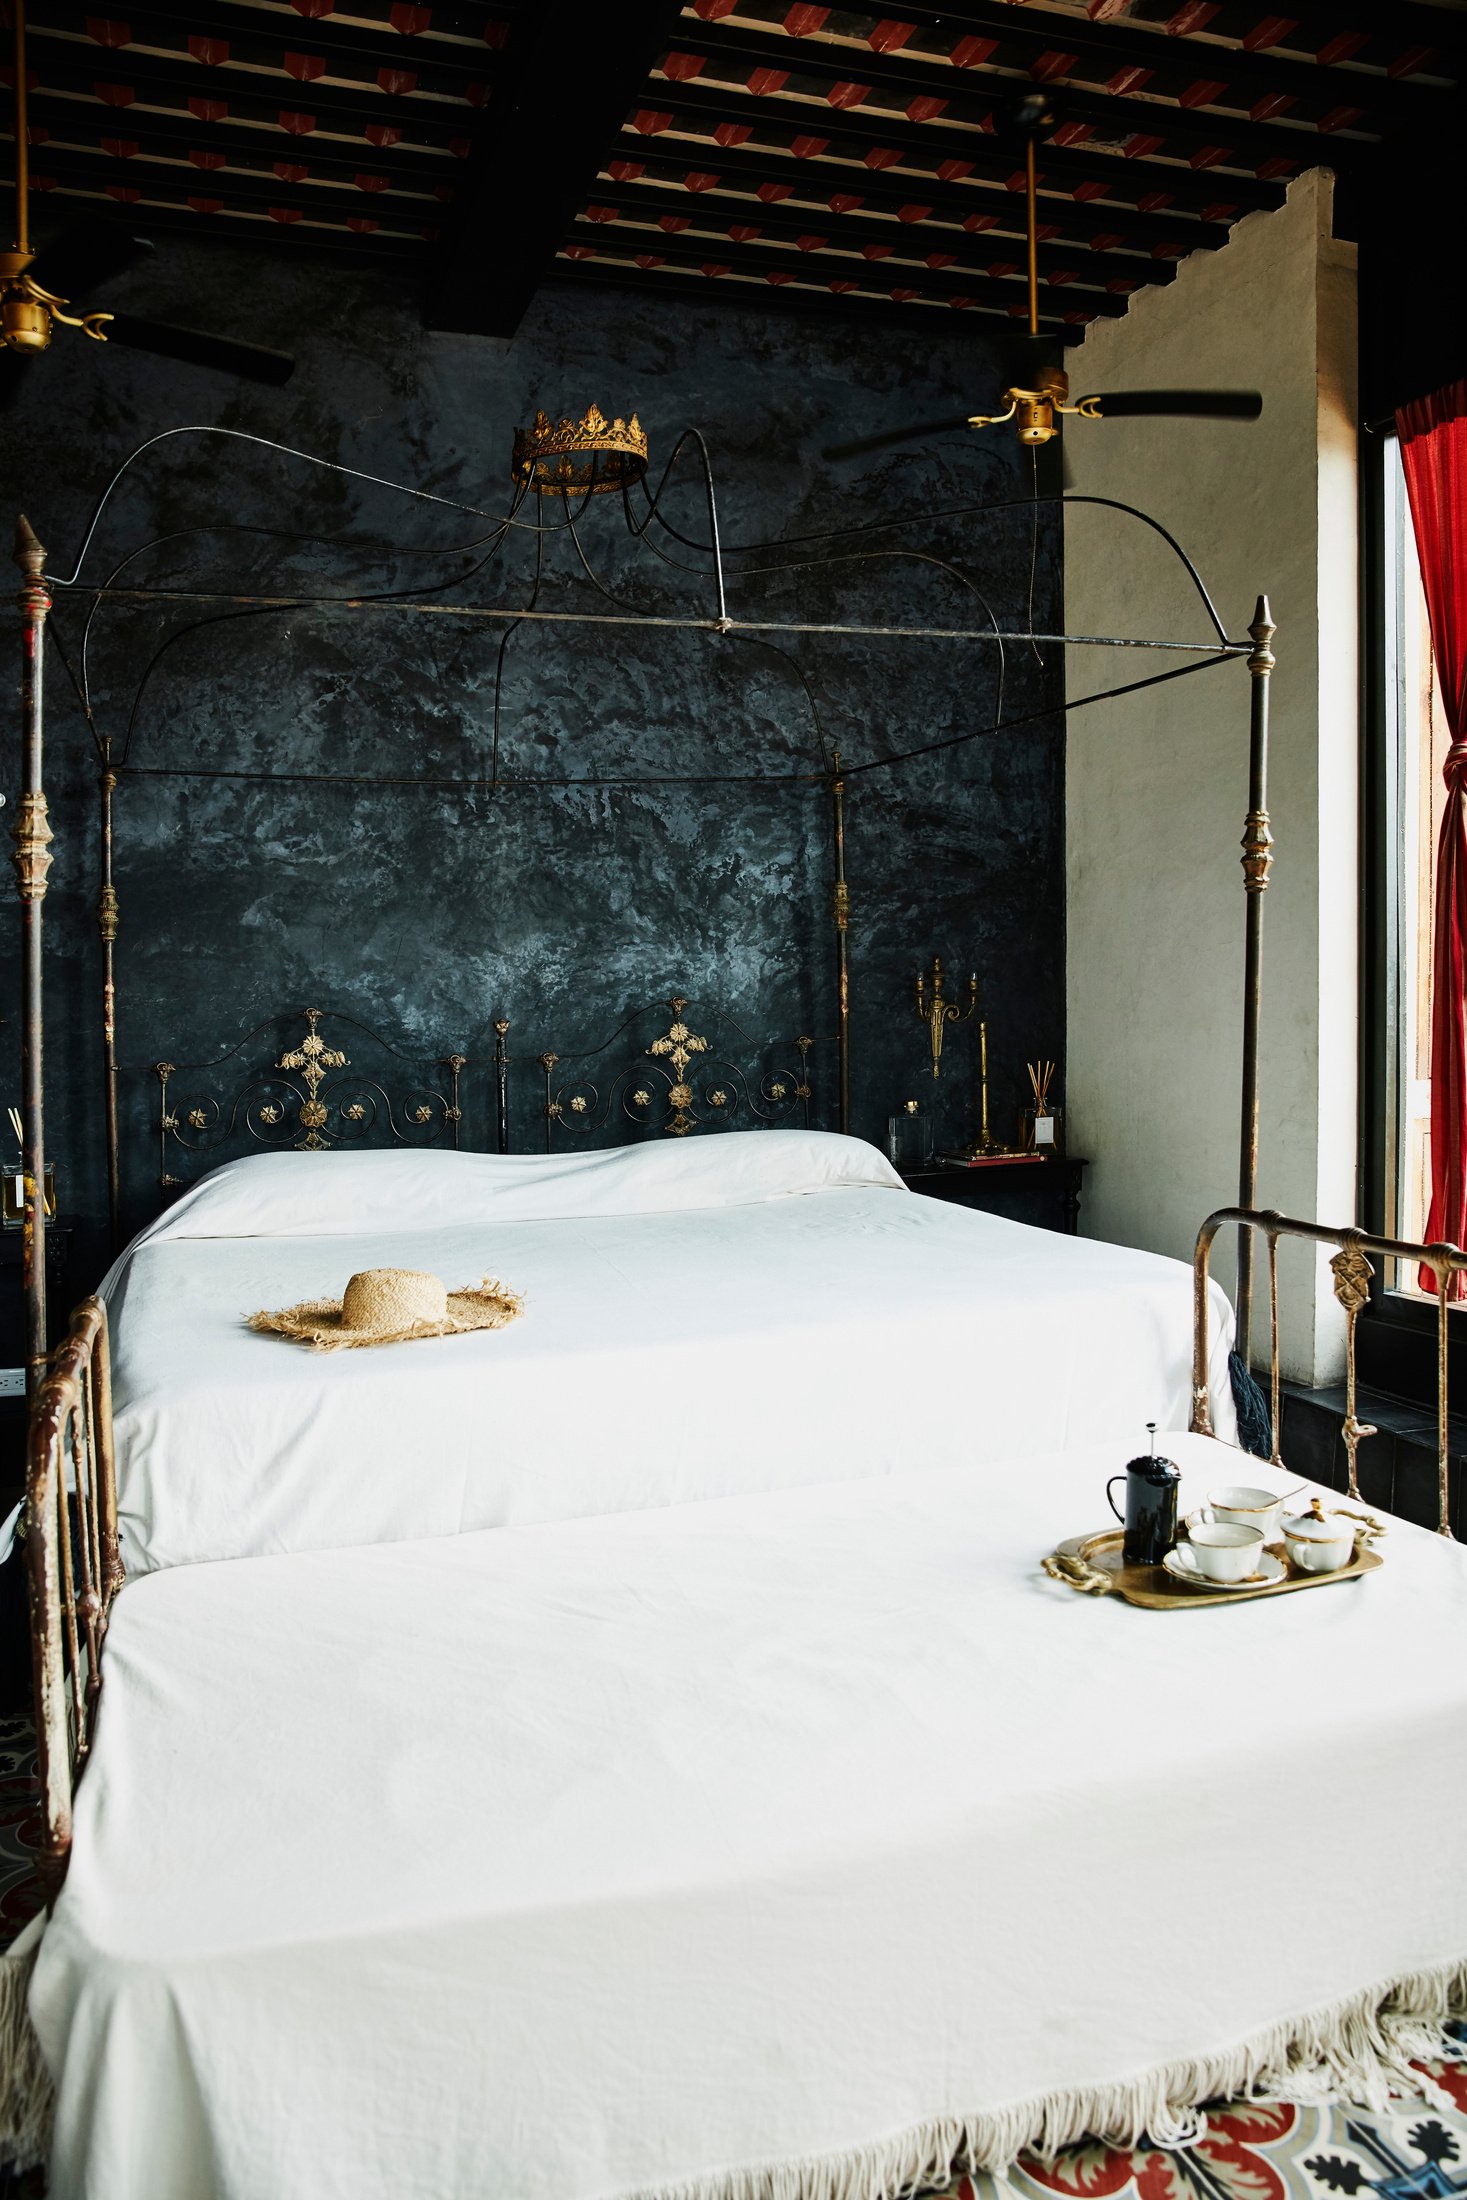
(32, 858)
(1257, 864)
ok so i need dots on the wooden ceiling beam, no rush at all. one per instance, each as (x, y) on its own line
(905, 245)
(1183, 129)
(1005, 294)
(446, 66)
(575, 68)
(80, 69)
(1128, 41)
(849, 138)
(172, 137)
(696, 289)
(814, 181)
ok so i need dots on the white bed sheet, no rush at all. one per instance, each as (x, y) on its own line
(671, 1349)
(674, 1851)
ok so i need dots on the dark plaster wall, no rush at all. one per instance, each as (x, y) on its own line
(430, 910)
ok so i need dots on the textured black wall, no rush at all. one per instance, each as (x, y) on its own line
(430, 910)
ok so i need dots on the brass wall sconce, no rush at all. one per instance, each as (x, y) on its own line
(937, 1012)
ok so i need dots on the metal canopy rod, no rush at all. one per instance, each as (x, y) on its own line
(685, 625)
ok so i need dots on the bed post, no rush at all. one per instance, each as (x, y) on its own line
(1257, 861)
(107, 915)
(501, 1085)
(842, 916)
(32, 859)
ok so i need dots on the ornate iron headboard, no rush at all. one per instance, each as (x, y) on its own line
(301, 1097)
(694, 1068)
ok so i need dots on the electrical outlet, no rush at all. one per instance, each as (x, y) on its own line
(12, 1382)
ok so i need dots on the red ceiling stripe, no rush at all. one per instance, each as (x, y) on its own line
(290, 171)
(208, 110)
(888, 35)
(117, 95)
(1105, 240)
(975, 224)
(1107, 11)
(580, 252)
(882, 156)
(649, 259)
(845, 94)
(1338, 118)
(672, 223)
(970, 53)
(126, 194)
(1209, 156)
(1203, 93)
(603, 213)
(913, 213)
(711, 10)
(496, 35)
(1129, 80)
(811, 243)
(700, 179)
(1072, 133)
(804, 148)
(733, 133)
(876, 251)
(213, 52)
(1018, 181)
(401, 81)
(312, 9)
(1271, 31)
(285, 214)
(383, 134)
(1270, 171)
(201, 157)
(1060, 276)
(206, 206)
(1193, 15)
(1169, 249)
(840, 284)
(625, 171)
(370, 183)
(744, 232)
(925, 108)
(1220, 210)
(1043, 231)
(779, 276)
(800, 22)
(410, 21)
(364, 224)
(1051, 64)
(1411, 61)
(1091, 188)
(714, 268)
(843, 202)
(105, 30)
(649, 120)
(305, 67)
(1123, 285)
(1139, 147)
(1272, 103)
(1342, 48)
(120, 148)
(903, 297)
(299, 125)
(1003, 268)
(772, 193)
(764, 81)
(940, 259)
(953, 171)
(681, 68)
(1154, 202)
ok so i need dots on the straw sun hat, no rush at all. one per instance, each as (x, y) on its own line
(389, 1306)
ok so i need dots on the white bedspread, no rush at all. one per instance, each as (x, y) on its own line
(753, 1312)
(675, 1850)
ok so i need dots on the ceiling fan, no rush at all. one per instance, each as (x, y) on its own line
(1038, 396)
(36, 288)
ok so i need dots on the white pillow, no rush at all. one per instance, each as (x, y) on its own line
(327, 1194)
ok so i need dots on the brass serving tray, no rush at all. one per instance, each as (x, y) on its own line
(1093, 1564)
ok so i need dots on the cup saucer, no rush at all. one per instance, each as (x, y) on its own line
(1182, 1566)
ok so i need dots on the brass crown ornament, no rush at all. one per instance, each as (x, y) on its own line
(579, 457)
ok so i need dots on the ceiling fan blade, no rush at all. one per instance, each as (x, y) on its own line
(916, 433)
(251, 362)
(1193, 404)
(13, 366)
(86, 255)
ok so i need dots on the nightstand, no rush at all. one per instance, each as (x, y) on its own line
(1046, 1193)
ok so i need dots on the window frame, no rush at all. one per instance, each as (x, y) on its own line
(1397, 1335)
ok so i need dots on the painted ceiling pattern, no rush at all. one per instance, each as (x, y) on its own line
(842, 153)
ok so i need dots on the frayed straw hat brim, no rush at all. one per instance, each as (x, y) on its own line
(317, 1322)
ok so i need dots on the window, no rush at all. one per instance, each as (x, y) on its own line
(1415, 739)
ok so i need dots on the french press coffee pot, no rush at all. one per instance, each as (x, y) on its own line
(1150, 1518)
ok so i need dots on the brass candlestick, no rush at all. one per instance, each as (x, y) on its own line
(937, 1012)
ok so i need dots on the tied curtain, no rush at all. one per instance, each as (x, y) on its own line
(1433, 434)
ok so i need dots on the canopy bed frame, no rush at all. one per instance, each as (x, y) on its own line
(835, 774)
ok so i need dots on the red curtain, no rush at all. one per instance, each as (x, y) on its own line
(1433, 434)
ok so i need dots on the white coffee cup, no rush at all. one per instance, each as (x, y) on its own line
(1245, 1508)
(1226, 1550)
(1320, 1546)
